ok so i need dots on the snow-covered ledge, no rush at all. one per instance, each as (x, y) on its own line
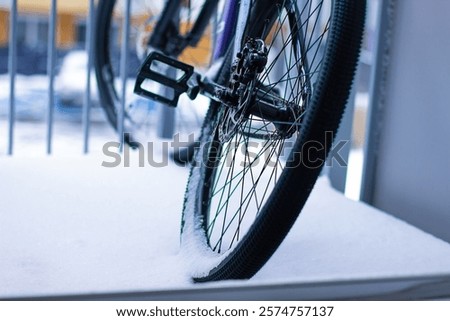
(70, 226)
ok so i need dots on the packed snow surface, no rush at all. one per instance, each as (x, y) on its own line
(70, 225)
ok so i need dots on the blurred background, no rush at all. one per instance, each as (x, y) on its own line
(31, 80)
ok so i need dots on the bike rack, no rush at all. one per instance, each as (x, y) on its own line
(51, 73)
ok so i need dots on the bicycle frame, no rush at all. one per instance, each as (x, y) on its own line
(166, 37)
(226, 25)
(235, 14)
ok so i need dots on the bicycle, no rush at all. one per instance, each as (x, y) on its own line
(286, 69)
(166, 26)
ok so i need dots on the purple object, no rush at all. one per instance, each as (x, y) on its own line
(228, 20)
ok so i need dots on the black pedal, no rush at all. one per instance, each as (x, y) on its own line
(174, 82)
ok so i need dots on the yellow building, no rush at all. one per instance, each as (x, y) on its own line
(69, 13)
(33, 18)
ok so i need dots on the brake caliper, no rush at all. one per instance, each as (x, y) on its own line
(248, 64)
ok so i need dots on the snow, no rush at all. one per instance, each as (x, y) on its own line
(85, 227)
(69, 225)
(199, 259)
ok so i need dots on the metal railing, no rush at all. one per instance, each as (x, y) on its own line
(51, 73)
(12, 66)
(87, 99)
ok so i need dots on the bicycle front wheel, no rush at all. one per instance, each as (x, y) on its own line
(255, 171)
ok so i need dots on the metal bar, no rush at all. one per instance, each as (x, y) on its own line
(51, 51)
(244, 12)
(12, 64)
(123, 69)
(166, 124)
(87, 96)
(432, 287)
(378, 91)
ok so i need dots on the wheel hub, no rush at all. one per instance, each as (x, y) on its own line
(246, 96)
